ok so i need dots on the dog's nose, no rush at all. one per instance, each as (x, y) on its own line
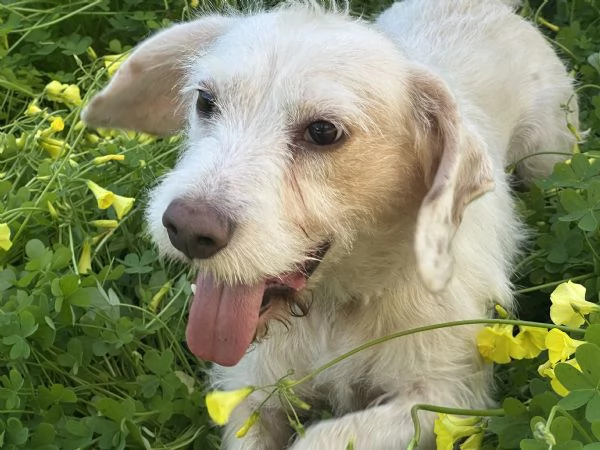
(196, 229)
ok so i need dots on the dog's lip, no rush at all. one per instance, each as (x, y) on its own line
(291, 282)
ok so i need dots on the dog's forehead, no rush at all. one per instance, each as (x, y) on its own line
(294, 46)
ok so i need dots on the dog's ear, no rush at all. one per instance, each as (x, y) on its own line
(456, 168)
(143, 95)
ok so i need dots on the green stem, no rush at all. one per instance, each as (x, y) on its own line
(399, 334)
(555, 283)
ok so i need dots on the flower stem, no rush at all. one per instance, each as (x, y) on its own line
(555, 283)
(438, 326)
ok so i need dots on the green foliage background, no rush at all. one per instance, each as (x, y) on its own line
(97, 360)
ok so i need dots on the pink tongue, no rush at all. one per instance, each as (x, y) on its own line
(223, 320)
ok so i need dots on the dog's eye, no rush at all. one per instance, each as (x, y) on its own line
(322, 133)
(205, 104)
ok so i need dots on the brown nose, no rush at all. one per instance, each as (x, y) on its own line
(197, 230)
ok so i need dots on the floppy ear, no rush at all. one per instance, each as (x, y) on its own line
(457, 170)
(144, 93)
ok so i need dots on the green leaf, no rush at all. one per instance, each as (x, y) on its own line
(592, 334)
(16, 432)
(28, 323)
(35, 249)
(588, 357)
(594, 446)
(592, 410)
(44, 434)
(576, 399)
(513, 407)
(159, 364)
(532, 444)
(562, 429)
(571, 378)
(596, 429)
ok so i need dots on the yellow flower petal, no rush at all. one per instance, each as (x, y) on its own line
(569, 305)
(113, 62)
(448, 429)
(52, 210)
(560, 345)
(5, 242)
(497, 344)
(33, 109)
(532, 341)
(104, 197)
(85, 259)
(54, 147)
(57, 124)
(249, 423)
(106, 158)
(473, 442)
(123, 205)
(91, 53)
(220, 404)
(72, 95)
(547, 370)
(54, 89)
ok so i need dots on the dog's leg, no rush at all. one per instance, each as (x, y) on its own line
(271, 432)
(384, 427)
(389, 426)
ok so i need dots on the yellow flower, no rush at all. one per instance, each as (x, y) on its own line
(497, 343)
(220, 404)
(157, 298)
(91, 53)
(113, 62)
(194, 3)
(85, 260)
(473, 442)
(54, 90)
(502, 313)
(54, 147)
(106, 158)
(532, 340)
(547, 370)
(249, 423)
(92, 138)
(57, 124)
(123, 205)
(448, 429)
(51, 210)
(21, 141)
(72, 96)
(33, 109)
(569, 305)
(560, 346)
(5, 242)
(104, 197)
(64, 93)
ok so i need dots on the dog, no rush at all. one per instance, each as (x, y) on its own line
(342, 180)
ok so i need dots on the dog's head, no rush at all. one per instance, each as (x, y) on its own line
(304, 128)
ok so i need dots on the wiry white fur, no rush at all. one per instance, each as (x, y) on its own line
(273, 73)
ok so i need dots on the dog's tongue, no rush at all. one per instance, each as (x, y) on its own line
(223, 320)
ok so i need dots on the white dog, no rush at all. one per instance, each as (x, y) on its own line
(376, 149)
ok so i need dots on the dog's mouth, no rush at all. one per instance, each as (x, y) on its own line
(224, 320)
